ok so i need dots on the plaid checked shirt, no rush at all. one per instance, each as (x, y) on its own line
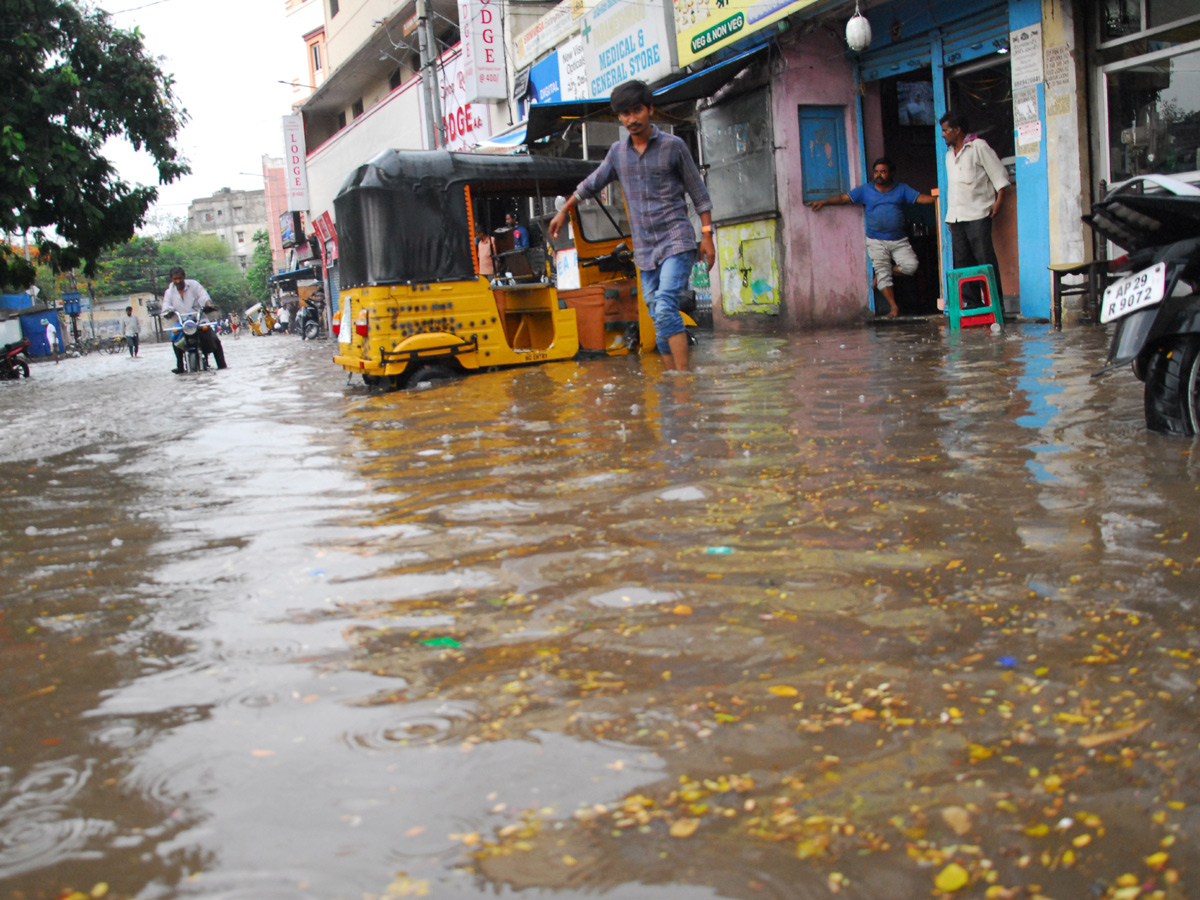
(654, 183)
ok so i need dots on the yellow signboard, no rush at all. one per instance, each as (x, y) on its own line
(705, 26)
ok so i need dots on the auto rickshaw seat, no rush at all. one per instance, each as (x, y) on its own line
(524, 265)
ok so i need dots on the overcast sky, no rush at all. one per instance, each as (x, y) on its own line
(227, 57)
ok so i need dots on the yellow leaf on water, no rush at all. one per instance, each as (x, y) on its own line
(782, 690)
(99, 889)
(958, 819)
(682, 828)
(954, 564)
(952, 878)
(682, 610)
(1095, 740)
(1038, 830)
(569, 861)
(1157, 860)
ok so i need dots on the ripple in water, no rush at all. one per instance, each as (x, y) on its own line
(34, 839)
(629, 597)
(420, 724)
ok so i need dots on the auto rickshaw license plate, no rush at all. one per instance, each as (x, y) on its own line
(1144, 288)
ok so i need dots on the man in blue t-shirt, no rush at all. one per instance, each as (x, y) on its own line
(887, 243)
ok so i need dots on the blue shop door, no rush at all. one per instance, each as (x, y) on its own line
(824, 165)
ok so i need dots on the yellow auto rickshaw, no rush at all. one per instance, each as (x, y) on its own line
(259, 320)
(430, 274)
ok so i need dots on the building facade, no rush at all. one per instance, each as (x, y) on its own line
(779, 111)
(234, 216)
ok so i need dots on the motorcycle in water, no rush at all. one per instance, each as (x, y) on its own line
(13, 364)
(186, 335)
(309, 319)
(1156, 307)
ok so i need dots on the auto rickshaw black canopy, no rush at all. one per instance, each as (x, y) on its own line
(402, 218)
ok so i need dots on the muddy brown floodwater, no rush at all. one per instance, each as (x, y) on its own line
(881, 613)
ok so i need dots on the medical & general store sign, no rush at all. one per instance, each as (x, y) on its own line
(623, 40)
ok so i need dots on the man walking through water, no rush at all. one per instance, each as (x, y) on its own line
(887, 242)
(131, 328)
(656, 171)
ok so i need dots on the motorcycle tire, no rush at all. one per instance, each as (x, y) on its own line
(1169, 399)
(311, 330)
(15, 370)
(193, 360)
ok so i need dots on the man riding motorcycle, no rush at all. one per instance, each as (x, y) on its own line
(186, 295)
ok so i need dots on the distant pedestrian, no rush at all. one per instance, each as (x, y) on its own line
(51, 338)
(887, 242)
(486, 248)
(656, 171)
(520, 235)
(976, 181)
(234, 324)
(131, 329)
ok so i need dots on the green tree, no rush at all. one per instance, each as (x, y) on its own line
(71, 80)
(205, 257)
(131, 268)
(259, 270)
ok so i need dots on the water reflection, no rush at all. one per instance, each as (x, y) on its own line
(833, 612)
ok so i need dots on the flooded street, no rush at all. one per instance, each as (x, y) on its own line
(884, 613)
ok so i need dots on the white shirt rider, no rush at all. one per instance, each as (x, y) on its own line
(194, 298)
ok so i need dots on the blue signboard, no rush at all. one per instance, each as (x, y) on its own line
(71, 303)
(545, 85)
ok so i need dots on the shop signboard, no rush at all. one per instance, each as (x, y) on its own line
(572, 70)
(561, 22)
(466, 123)
(623, 40)
(561, 76)
(482, 50)
(544, 78)
(296, 160)
(705, 26)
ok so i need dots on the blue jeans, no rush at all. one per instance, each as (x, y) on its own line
(664, 288)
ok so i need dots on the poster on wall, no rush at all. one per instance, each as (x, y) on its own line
(706, 26)
(623, 40)
(1025, 52)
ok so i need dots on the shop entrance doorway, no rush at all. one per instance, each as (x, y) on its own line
(909, 129)
(982, 90)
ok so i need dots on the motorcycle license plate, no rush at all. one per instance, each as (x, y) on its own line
(1144, 288)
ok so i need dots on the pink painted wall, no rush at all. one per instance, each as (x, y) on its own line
(823, 265)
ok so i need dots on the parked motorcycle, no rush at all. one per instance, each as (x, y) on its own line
(186, 335)
(13, 362)
(1156, 308)
(311, 318)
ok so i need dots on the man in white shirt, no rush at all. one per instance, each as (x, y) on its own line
(131, 328)
(51, 338)
(976, 183)
(185, 295)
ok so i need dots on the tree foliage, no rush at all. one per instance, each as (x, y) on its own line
(131, 268)
(259, 270)
(71, 80)
(205, 258)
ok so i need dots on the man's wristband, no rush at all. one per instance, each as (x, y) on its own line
(706, 229)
